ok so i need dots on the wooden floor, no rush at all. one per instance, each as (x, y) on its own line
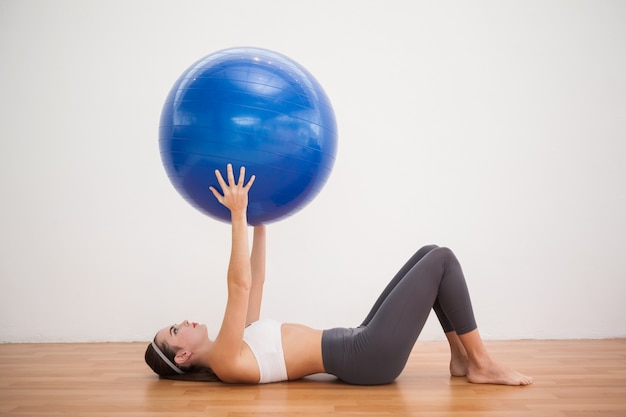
(572, 378)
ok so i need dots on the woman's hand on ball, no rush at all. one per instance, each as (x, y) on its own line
(235, 193)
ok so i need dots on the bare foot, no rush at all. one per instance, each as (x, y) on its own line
(458, 365)
(493, 373)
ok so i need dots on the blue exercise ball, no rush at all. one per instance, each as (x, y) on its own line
(255, 108)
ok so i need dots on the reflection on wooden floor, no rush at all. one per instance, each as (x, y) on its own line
(572, 378)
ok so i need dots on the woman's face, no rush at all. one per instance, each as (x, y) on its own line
(184, 336)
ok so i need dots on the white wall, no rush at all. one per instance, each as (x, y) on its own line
(496, 128)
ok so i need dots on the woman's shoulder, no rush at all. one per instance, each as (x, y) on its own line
(241, 368)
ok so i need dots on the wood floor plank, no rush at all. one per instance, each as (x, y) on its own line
(573, 378)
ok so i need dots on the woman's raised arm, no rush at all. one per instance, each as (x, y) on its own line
(257, 262)
(235, 197)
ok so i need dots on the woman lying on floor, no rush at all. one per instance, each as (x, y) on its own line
(249, 350)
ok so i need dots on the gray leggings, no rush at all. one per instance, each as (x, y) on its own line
(376, 351)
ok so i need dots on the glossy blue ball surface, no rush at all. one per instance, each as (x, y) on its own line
(250, 107)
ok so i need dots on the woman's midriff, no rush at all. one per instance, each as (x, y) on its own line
(302, 347)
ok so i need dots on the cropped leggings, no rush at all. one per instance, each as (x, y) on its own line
(377, 351)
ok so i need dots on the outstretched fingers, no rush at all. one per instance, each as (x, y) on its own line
(242, 177)
(249, 184)
(230, 175)
(220, 180)
(234, 191)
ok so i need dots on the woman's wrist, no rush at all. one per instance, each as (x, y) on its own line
(238, 216)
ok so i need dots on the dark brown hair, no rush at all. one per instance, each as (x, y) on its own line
(164, 370)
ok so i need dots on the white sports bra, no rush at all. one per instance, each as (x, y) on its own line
(264, 340)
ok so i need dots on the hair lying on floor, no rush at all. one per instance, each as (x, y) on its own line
(161, 360)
